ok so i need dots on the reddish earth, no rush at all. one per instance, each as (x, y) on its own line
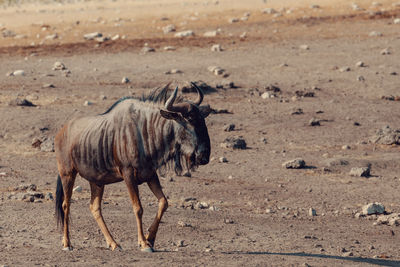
(261, 215)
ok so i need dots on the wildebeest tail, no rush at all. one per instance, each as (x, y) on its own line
(59, 202)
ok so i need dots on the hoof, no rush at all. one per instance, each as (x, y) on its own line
(115, 247)
(67, 249)
(148, 250)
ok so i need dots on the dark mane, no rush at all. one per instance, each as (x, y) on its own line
(156, 96)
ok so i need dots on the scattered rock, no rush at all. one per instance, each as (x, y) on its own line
(183, 224)
(21, 102)
(125, 80)
(228, 221)
(188, 88)
(373, 208)
(211, 33)
(391, 219)
(346, 147)
(304, 93)
(396, 21)
(234, 142)
(93, 35)
(229, 127)
(344, 69)
(59, 66)
(18, 73)
(48, 196)
(201, 205)
(222, 160)
(169, 28)
(304, 47)
(87, 103)
(148, 49)
(375, 34)
(360, 78)
(297, 111)
(269, 11)
(386, 51)
(51, 36)
(294, 164)
(48, 85)
(173, 71)
(312, 212)
(216, 48)
(360, 172)
(314, 122)
(386, 136)
(360, 64)
(25, 187)
(314, 6)
(233, 20)
(169, 48)
(243, 35)
(184, 33)
(47, 145)
(77, 189)
(336, 162)
(216, 70)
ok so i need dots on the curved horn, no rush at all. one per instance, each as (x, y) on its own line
(200, 94)
(169, 104)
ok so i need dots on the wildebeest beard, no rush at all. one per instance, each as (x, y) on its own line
(178, 161)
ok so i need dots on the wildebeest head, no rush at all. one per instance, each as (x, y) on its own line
(192, 135)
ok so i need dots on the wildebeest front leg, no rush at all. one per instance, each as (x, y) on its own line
(95, 208)
(133, 189)
(155, 187)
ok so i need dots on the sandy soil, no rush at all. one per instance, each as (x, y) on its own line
(260, 214)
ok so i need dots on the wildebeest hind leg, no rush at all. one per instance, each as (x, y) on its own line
(95, 208)
(155, 187)
(68, 181)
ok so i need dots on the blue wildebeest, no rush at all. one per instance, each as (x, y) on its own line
(129, 142)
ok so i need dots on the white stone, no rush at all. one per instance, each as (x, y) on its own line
(173, 71)
(169, 28)
(93, 35)
(87, 103)
(59, 66)
(360, 172)
(243, 35)
(184, 33)
(18, 73)
(77, 189)
(115, 37)
(312, 212)
(396, 21)
(269, 11)
(222, 160)
(386, 51)
(304, 47)
(211, 34)
(169, 48)
(216, 48)
(375, 34)
(148, 49)
(294, 164)
(360, 64)
(51, 36)
(344, 69)
(373, 208)
(125, 80)
(233, 20)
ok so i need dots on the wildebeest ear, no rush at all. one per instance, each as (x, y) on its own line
(205, 110)
(171, 115)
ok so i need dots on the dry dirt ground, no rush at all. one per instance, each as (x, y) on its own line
(260, 214)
